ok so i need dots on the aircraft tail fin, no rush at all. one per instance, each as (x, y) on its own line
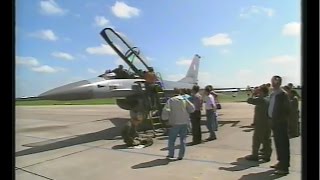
(192, 74)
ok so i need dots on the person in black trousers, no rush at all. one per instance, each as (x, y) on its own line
(278, 112)
(195, 117)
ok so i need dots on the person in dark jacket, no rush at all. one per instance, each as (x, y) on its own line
(253, 93)
(279, 112)
(293, 121)
(196, 115)
(262, 128)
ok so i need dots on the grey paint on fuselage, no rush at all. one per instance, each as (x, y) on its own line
(100, 87)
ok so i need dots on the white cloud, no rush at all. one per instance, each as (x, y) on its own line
(225, 51)
(121, 34)
(291, 29)
(81, 56)
(92, 71)
(122, 10)
(46, 69)
(101, 21)
(50, 7)
(66, 39)
(119, 62)
(103, 49)
(46, 34)
(184, 62)
(149, 58)
(28, 61)
(255, 10)
(220, 39)
(286, 66)
(34, 65)
(282, 60)
(62, 55)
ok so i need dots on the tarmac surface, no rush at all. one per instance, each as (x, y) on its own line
(83, 143)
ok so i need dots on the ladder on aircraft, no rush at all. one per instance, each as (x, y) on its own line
(154, 115)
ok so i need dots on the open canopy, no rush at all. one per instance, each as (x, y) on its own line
(131, 55)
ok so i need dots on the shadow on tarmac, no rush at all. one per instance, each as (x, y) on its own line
(267, 175)
(53, 144)
(241, 164)
(153, 163)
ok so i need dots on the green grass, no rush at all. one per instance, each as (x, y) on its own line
(79, 102)
(225, 97)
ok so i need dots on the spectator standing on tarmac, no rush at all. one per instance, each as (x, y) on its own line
(210, 114)
(186, 94)
(293, 121)
(196, 115)
(279, 112)
(177, 111)
(262, 128)
(218, 105)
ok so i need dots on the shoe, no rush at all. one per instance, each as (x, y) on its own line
(169, 157)
(179, 158)
(266, 159)
(196, 142)
(252, 158)
(281, 172)
(211, 138)
(274, 166)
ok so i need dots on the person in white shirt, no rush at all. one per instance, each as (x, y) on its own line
(210, 106)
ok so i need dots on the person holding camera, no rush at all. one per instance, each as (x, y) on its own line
(262, 128)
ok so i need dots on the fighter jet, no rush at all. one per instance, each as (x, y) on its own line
(125, 85)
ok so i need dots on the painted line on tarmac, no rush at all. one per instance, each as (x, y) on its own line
(17, 168)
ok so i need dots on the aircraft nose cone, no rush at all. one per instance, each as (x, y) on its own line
(73, 91)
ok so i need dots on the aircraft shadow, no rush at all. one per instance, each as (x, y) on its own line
(267, 175)
(107, 134)
(153, 163)
(241, 164)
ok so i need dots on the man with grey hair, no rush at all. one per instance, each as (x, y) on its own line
(177, 111)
